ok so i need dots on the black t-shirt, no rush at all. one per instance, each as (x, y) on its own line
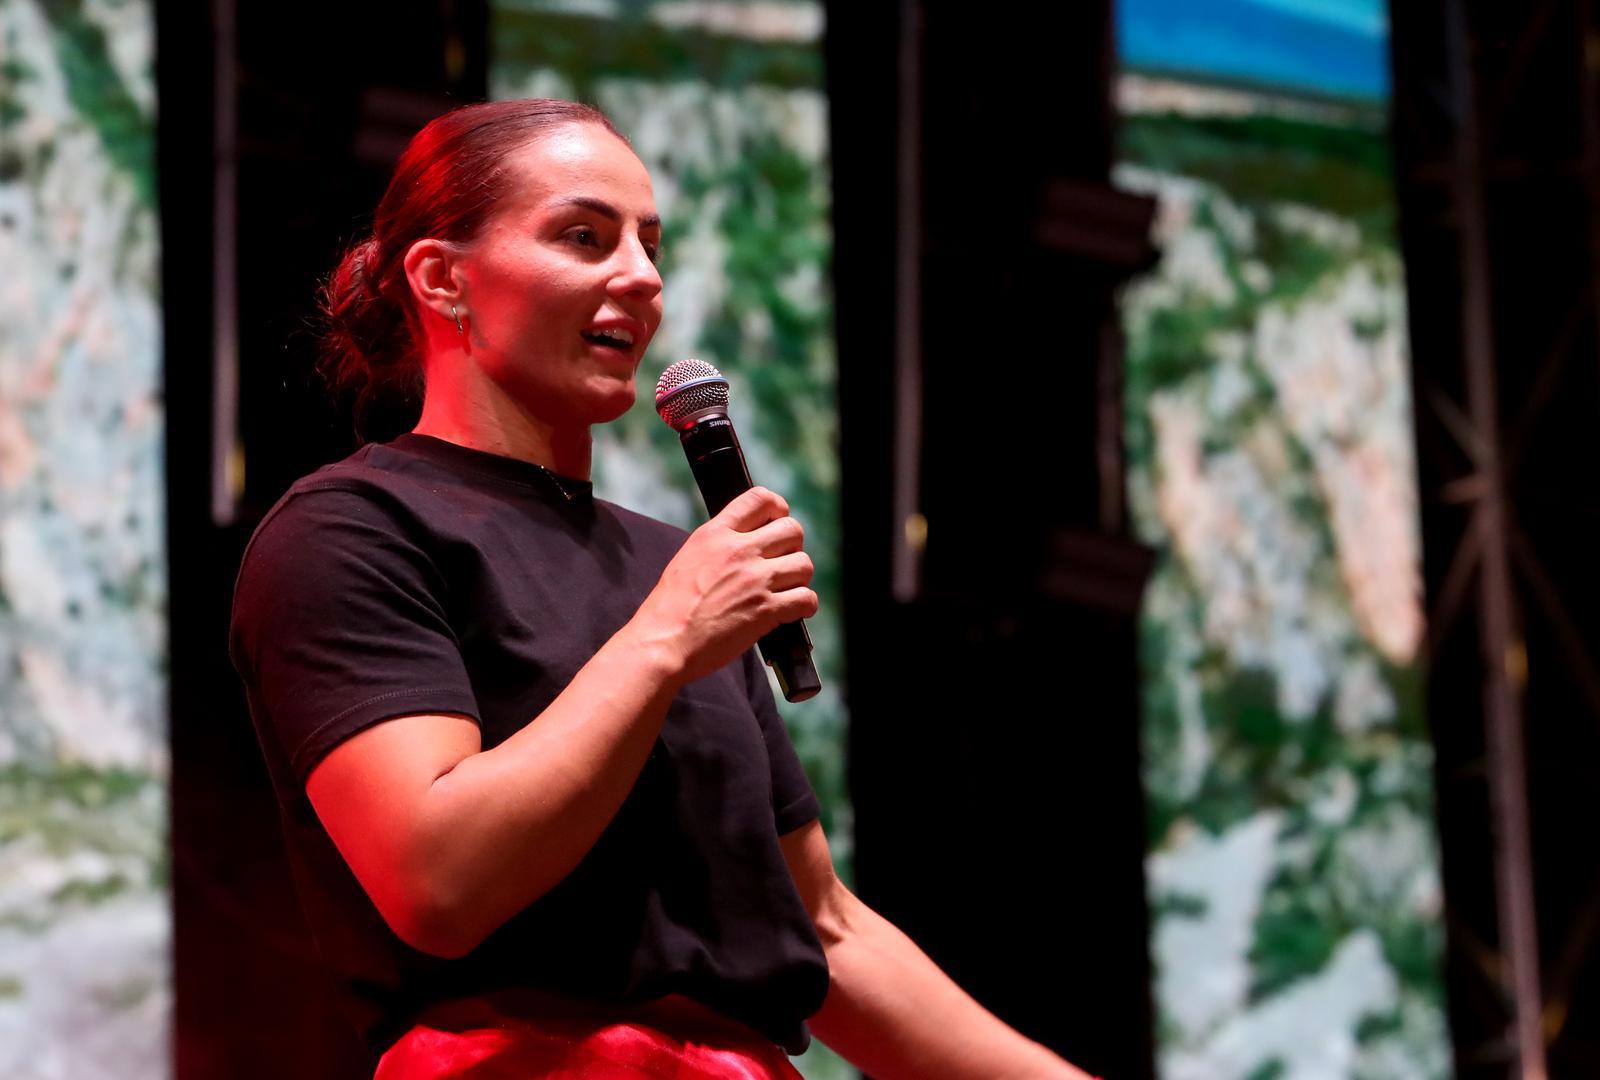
(419, 576)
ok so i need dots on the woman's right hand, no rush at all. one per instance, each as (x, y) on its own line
(737, 576)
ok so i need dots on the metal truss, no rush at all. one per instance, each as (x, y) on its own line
(1498, 147)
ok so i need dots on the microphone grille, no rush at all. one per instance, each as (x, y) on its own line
(689, 387)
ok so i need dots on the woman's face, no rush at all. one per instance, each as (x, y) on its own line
(561, 286)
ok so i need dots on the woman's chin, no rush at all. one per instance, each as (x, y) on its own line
(610, 402)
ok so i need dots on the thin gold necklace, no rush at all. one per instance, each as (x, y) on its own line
(556, 480)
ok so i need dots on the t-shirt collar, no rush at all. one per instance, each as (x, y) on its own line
(516, 470)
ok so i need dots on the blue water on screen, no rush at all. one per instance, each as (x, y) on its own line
(1333, 47)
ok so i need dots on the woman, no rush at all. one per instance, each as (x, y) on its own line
(544, 817)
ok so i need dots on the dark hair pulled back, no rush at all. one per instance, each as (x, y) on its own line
(444, 187)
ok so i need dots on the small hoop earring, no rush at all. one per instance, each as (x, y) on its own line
(457, 314)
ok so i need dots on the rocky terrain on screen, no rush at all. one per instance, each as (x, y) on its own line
(1293, 866)
(84, 923)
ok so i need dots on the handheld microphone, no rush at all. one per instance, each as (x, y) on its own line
(692, 397)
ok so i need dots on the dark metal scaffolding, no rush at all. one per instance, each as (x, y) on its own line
(1499, 168)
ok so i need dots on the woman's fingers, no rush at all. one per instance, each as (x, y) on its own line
(791, 604)
(780, 537)
(796, 604)
(763, 517)
(752, 509)
(789, 571)
(736, 577)
(788, 582)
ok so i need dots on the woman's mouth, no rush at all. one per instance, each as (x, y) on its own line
(618, 338)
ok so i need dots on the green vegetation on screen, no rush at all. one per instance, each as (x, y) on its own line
(85, 934)
(1293, 867)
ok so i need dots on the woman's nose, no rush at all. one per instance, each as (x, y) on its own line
(636, 273)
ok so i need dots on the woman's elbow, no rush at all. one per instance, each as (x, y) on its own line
(444, 910)
(437, 929)
(427, 915)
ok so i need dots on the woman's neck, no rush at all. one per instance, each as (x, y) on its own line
(498, 426)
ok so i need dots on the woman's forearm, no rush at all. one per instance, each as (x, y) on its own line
(505, 825)
(893, 1014)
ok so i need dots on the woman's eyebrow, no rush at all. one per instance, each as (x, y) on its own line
(605, 209)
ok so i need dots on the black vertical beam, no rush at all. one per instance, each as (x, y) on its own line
(324, 95)
(994, 706)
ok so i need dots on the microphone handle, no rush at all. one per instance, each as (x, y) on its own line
(717, 462)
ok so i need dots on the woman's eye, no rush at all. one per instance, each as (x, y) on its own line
(585, 236)
(654, 253)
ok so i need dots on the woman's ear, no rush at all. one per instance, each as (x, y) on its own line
(433, 270)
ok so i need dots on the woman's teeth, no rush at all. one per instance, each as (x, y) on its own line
(615, 339)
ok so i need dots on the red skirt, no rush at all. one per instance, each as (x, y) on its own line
(530, 1035)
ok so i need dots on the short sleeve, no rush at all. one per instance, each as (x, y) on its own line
(794, 802)
(339, 621)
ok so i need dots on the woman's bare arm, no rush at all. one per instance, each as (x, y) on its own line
(450, 840)
(890, 1010)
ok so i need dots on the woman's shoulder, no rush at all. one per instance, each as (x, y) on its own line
(352, 503)
(378, 480)
(342, 531)
(340, 485)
